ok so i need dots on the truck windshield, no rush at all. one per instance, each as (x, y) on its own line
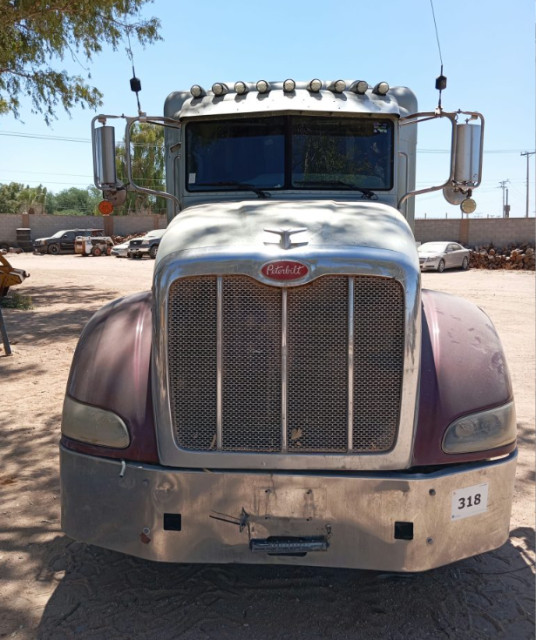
(290, 152)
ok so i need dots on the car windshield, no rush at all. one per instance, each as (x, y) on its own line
(432, 246)
(59, 234)
(290, 152)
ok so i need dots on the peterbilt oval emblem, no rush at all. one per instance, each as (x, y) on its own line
(284, 270)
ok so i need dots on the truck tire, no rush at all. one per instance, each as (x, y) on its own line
(96, 251)
(153, 251)
(54, 249)
(441, 266)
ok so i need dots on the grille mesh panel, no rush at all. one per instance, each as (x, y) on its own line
(251, 366)
(317, 365)
(192, 361)
(378, 362)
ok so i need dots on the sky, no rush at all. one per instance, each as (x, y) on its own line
(487, 49)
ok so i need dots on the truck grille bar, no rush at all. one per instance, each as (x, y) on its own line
(316, 368)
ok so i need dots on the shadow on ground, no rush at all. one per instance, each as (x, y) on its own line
(58, 314)
(104, 594)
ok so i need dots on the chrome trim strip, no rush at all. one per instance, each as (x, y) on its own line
(284, 372)
(351, 294)
(219, 362)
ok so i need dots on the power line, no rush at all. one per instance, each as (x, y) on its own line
(40, 136)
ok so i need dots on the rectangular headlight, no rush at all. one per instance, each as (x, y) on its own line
(481, 431)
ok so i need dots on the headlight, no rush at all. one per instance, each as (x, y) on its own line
(93, 425)
(480, 431)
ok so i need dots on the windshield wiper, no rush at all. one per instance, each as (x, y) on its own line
(367, 193)
(240, 186)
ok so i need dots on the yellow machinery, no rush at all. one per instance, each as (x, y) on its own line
(9, 277)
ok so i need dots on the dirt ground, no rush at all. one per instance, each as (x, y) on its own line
(53, 587)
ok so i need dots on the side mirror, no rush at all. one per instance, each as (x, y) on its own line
(468, 156)
(104, 157)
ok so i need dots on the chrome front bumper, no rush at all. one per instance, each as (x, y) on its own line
(383, 521)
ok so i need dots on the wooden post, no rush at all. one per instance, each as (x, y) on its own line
(464, 231)
(108, 225)
(3, 331)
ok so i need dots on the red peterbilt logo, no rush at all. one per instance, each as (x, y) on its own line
(284, 270)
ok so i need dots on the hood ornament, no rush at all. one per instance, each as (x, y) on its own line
(285, 241)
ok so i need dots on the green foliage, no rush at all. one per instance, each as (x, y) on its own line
(17, 198)
(74, 202)
(147, 160)
(15, 300)
(34, 34)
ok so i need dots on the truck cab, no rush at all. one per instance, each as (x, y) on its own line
(287, 392)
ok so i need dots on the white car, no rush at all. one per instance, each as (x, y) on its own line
(443, 255)
(120, 250)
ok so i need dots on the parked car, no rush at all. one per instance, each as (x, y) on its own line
(443, 255)
(121, 250)
(147, 245)
(63, 241)
(93, 245)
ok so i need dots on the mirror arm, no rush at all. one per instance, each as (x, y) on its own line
(163, 121)
(132, 186)
(416, 118)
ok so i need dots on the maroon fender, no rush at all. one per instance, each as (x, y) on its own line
(111, 370)
(463, 370)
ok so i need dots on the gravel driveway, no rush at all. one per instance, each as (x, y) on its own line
(52, 587)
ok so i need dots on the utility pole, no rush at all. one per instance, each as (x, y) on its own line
(528, 154)
(505, 205)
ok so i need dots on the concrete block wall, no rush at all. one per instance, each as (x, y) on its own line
(8, 228)
(478, 231)
(45, 225)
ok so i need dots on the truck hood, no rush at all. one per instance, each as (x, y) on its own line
(242, 227)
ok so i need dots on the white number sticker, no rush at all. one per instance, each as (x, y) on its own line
(469, 501)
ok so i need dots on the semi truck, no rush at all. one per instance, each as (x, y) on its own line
(287, 392)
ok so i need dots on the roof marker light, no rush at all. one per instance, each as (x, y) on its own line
(240, 88)
(289, 85)
(359, 86)
(197, 91)
(263, 86)
(338, 86)
(219, 89)
(315, 85)
(381, 89)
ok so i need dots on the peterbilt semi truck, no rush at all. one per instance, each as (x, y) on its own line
(287, 392)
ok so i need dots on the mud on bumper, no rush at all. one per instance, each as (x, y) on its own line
(387, 521)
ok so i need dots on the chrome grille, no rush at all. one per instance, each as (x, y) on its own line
(310, 369)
